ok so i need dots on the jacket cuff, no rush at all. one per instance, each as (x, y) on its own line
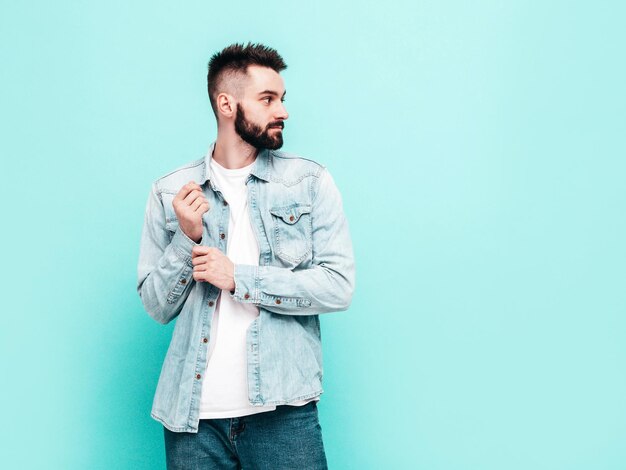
(246, 284)
(182, 246)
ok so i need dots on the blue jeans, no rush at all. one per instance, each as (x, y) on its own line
(288, 438)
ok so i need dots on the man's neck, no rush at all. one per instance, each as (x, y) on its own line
(231, 152)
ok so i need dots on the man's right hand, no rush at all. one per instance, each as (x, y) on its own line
(189, 205)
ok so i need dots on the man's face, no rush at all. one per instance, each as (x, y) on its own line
(260, 116)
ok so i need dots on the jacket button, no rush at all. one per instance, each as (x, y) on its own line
(198, 376)
(246, 296)
(291, 217)
(211, 303)
(278, 301)
(225, 203)
(222, 236)
(183, 281)
(204, 340)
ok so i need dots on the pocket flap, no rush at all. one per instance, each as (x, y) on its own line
(291, 214)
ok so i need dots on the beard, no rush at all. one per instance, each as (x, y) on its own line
(257, 136)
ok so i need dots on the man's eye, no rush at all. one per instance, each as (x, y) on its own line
(267, 99)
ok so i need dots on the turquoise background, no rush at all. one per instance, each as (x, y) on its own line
(479, 148)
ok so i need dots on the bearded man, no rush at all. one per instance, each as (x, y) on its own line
(244, 247)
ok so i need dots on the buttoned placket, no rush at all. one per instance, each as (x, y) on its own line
(252, 346)
(209, 300)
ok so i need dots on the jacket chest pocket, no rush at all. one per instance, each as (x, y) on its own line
(292, 232)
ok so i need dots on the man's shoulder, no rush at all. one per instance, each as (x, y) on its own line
(291, 164)
(293, 157)
(177, 178)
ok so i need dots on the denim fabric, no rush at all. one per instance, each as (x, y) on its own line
(306, 267)
(288, 438)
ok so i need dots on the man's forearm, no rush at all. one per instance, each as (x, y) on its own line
(165, 281)
(319, 289)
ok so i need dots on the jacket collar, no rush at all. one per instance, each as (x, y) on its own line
(260, 169)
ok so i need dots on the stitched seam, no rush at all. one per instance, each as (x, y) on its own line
(286, 402)
(290, 183)
(187, 166)
(173, 295)
(171, 428)
(183, 256)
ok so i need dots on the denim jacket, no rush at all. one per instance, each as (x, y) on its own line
(306, 267)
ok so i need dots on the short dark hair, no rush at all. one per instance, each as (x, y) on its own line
(237, 58)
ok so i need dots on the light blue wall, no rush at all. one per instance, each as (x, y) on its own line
(480, 150)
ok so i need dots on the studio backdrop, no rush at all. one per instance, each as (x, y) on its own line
(479, 148)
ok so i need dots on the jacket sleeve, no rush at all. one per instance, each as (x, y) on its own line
(164, 271)
(327, 285)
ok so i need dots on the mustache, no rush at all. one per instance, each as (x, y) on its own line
(280, 124)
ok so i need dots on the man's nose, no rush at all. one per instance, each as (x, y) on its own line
(282, 112)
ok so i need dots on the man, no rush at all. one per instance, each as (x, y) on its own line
(246, 247)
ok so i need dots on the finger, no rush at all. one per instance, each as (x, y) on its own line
(197, 203)
(200, 268)
(199, 250)
(204, 207)
(185, 190)
(197, 260)
(197, 276)
(212, 253)
(182, 192)
(217, 252)
(192, 196)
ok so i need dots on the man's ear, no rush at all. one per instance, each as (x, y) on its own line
(226, 105)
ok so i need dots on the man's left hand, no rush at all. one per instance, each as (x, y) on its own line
(213, 266)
